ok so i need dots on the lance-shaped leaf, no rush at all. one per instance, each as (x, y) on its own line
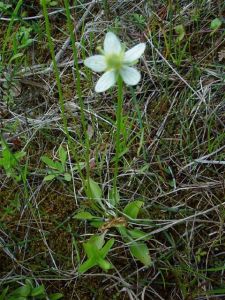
(52, 164)
(141, 252)
(132, 209)
(114, 197)
(94, 192)
(138, 234)
(137, 248)
(62, 155)
(84, 215)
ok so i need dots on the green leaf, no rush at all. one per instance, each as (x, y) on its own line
(219, 291)
(138, 234)
(62, 155)
(94, 192)
(88, 264)
(215, 24)
(52, 164)
(97, 240)
(18, 55)
(179, 29)
(48, 161)
(123, 231)
(55, 296)
(4, 6)
(50, 177)
(53, 3)
(23, 291)
(121, 154)
(97, 224)
(3, 294)
(132, 209)
(114, 197)
(67, 177)
(141, 252)
(84, 215)
(104, 264)
(26, 43)
(37, 291)
(19, 155)
(104, 251)
(78, 166)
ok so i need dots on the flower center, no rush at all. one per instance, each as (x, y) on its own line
(114, 61)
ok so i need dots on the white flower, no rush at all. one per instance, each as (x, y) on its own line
(114, 61)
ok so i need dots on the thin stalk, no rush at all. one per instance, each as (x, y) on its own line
(119, 115)
(78, 89)
(55, 68)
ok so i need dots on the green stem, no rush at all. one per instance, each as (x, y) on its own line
(55, 67)
(119, 115)
(79, 94)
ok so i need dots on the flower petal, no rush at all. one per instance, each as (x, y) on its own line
(130, 75)
(134, 53)
(112, 44)
(106, 81)
(96, 63)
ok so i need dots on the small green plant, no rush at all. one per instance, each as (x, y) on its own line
(116, 26)
(106, 217)
(23, 37)
(27, 292)
(135, 237)
(96, 250)
(200, 254)
(10, 162)
(178, 49)
(57, 169)
(50, 2)
(4, 7)
(139, 21)
(215, 25)
(180, 31)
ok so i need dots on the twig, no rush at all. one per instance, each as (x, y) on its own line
(202, 158)
(212, 162)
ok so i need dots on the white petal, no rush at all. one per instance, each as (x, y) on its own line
(96, 63)
(134, 53)
(106, 81)
(112, 44)
(130, 75)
